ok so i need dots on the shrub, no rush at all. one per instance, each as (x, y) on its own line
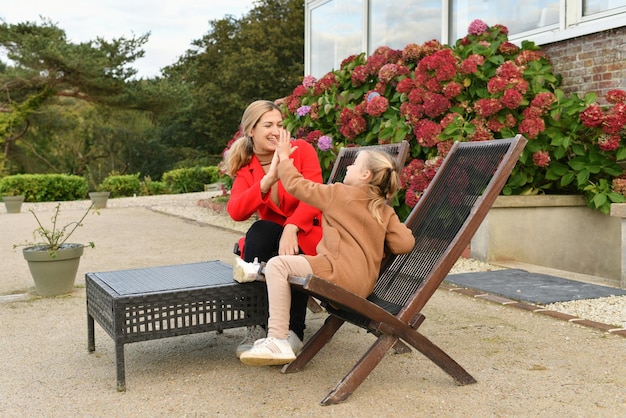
(121, 185)
(150, 187)
(188, 180)
(482, 88)
(44, 187)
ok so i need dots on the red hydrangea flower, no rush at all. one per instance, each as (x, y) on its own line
(426, 132)
(497, 85)
(471, 64)
(487, 107)
(592, 116)
(352, 124)
(313, 136)
(532, 127)
(608, 142)
(405, 85)
(412, 53)
(412, 112)
(325, 83)
(452, 90)
(541, 158)
(508, 48)
(377, 106)
(300, 90)
(435, 104)
(616, 96)
(512, 99)
(543, 100)
(526, 56)
(387, 72)
(359, 75)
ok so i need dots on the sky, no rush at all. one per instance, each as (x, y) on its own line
(173, 24)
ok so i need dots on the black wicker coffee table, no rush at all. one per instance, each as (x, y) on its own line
(158, 302)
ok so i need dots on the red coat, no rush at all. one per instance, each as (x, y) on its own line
(245, 198)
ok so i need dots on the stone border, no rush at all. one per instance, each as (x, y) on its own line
(611, 329)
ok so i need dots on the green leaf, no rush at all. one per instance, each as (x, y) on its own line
(567, 178)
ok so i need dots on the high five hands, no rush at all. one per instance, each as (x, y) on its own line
(284, 148)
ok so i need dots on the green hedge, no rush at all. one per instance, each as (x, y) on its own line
(44, 187)
(188, 180)
(121, 185)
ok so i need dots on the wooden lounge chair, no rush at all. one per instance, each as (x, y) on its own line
(443, 223)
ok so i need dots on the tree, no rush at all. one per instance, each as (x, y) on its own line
(46, 66)
(236, 62)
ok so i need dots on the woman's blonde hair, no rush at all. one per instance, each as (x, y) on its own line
(385, 181)
(241, 151)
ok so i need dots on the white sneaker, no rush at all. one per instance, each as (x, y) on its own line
(246, 272)
(253, 333)
(295, 342)
(268, 352)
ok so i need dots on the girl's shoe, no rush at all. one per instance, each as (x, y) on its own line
(268, 352)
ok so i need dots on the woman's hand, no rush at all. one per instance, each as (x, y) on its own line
(284, 148)
(288, 244)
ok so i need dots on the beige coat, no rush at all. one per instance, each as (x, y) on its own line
(353, 241)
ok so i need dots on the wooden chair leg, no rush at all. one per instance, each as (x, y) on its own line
(315, 344)
(313, 305)
(360, 371)
(439, 357)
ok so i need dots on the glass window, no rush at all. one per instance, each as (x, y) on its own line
(336, 33)
(392, 23)
(518, 16)
(591, 7)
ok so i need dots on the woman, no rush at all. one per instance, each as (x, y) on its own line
(286, 226)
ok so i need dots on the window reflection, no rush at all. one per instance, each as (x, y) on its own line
(591, 7)
(396, 23)
(336, 33)
(518, 16)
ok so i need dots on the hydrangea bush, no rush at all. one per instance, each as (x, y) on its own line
(482, 88)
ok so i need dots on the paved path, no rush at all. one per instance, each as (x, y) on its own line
(526, 364)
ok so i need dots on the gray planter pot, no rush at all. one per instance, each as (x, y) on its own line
(99, 199)
(53, 273)
(13, 203)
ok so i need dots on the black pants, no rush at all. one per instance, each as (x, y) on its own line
(262, 241)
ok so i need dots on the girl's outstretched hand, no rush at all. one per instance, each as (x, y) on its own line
(284, 148)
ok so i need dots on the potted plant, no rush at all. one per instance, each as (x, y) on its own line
(99, 198)
(52, 261)
(13, 204)
(12, 196)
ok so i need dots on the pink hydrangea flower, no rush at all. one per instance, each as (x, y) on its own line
(309, 81)
(477, 27)
(541, 158)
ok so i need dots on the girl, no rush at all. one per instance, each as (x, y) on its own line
(286, 225)
(358, 226)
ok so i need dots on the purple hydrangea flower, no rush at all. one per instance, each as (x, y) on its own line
(303, 110)
(324, 143)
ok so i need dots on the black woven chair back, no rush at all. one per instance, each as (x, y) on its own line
(347, 155)
(438, 218)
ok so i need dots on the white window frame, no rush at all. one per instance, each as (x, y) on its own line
(571, 24)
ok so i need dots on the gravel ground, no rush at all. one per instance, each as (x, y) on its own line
(526, 364)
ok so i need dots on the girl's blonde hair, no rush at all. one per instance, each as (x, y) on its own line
(385, 181)
(242, 150)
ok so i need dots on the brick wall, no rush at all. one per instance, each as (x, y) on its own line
(591, 63)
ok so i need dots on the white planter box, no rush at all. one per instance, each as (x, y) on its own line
(558, 232)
